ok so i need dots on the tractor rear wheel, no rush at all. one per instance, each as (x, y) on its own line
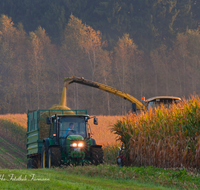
(44, 157)
(32, 163)
(97, 156)
(29, 164)
(35, 162)
(54, 157)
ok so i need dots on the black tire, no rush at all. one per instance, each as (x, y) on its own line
(35, 163)
(29, 165)
(32, 163)
(44, 163)
(97, 156)
(54, 157)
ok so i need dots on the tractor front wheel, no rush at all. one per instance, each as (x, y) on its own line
(54, 157)
(97, 156)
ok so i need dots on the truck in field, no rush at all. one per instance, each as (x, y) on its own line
(58, 137)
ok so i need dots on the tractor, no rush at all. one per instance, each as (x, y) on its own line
(69, 141)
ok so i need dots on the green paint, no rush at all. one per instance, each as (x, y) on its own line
(75, 137)
(51, 141)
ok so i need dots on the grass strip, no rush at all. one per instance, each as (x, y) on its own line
(23, 179)
(180, 179)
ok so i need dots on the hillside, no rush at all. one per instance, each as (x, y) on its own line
(19, 119)
(11, 156)
(13, 141)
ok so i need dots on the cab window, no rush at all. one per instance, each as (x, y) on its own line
(79, 124)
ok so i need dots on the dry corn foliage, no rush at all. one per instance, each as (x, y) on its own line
(167, 138)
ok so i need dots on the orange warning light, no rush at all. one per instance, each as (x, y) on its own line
(143, 98)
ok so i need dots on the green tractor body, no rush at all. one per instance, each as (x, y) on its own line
(64, 145)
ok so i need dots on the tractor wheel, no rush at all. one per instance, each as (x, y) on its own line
(54, 157)
(32, 163)
(29, 164)
(44, 157)
(97, 156)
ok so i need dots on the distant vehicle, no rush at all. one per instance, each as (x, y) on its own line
(158, 100)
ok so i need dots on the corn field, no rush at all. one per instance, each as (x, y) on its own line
(165, 138)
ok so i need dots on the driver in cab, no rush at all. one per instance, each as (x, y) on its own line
(70, 130)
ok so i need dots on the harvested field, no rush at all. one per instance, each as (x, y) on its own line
(13, 132)
(102, 132)
(11, 156)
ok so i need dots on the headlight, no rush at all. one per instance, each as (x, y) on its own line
(73, 145)
(80, 144)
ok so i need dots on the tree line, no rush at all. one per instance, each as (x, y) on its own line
(33, 68)
(149, 23)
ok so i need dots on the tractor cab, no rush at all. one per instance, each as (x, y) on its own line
(65, 125)
(159, 100)
(72, 130)
(62, 126)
